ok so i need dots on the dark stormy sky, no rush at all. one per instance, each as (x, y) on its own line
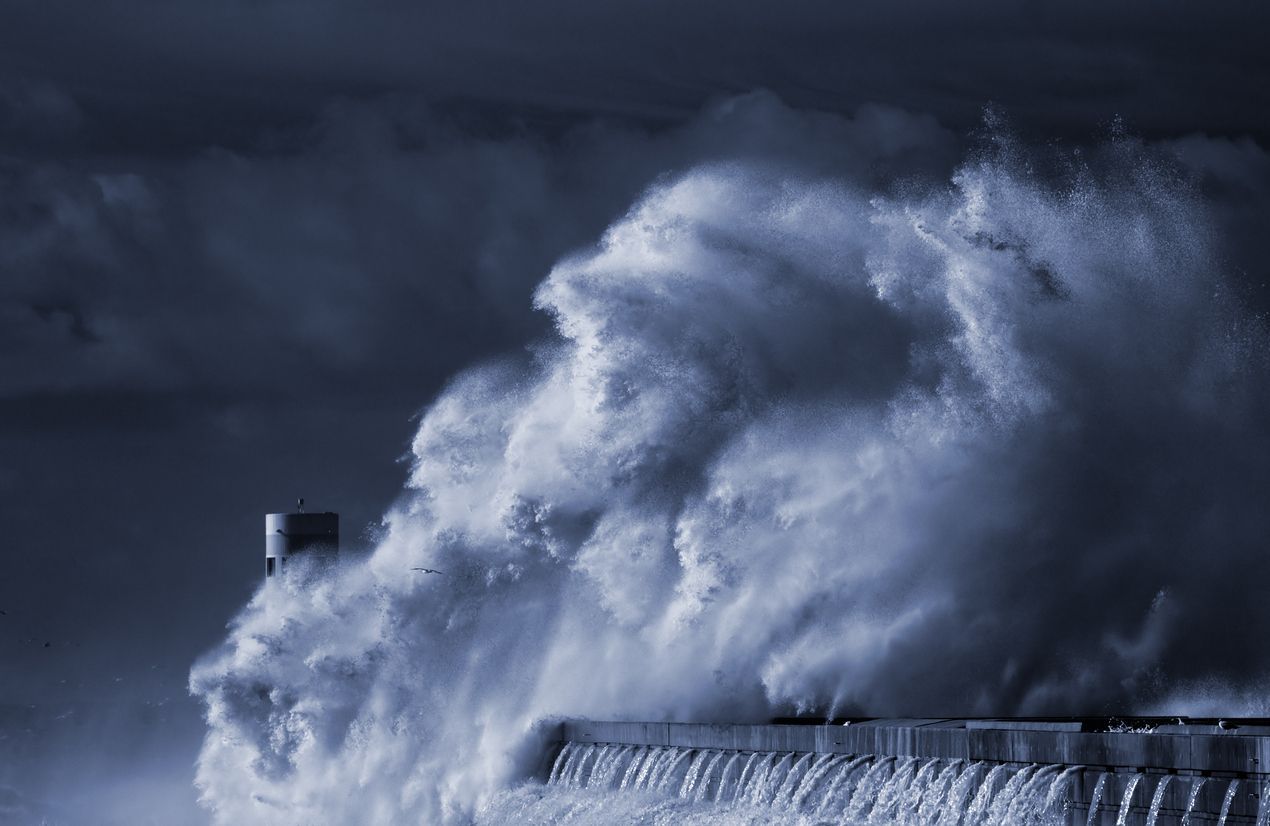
(243, 243)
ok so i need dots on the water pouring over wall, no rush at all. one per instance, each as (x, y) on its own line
(810, 774)
(886, 791)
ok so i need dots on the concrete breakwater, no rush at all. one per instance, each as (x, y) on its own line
(1151, 772)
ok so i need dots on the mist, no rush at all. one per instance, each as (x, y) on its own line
(862, 417)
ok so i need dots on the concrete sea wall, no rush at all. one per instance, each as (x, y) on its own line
(1186, 751)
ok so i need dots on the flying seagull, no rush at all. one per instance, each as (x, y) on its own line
(428, 570)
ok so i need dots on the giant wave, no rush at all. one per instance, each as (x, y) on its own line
(987, 445)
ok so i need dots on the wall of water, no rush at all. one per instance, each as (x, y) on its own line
(805, 438)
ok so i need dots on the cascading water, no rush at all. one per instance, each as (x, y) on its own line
(884, 803)
(1157, 799)
(771, 766)
(562, 760)
(932, 801)
(649, 766)
(865, 794)
(632, 770)
(747, 772)
(613, 769)
(1096, 798)
(694, 772)
(824, 767)
(1003, 800)
(796, 772)
(666, 780)
(1226, 801)
(726, 777)
(911, 801)
(586, 765)
(1058, 790)
(1126, 803)
(841, 785)
(961, 791)
(1196, 785)
(782, 787)
(1026, 802)
(982, 799)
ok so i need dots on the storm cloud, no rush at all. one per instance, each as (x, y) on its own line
(1169, 67)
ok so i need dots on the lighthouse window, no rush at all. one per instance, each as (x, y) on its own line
(268, 566)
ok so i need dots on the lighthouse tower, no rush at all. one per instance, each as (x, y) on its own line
(311, 535)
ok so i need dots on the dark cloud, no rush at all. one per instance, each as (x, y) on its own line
(1234, 176)
(180, 74)
(35, 114)
(387, 240)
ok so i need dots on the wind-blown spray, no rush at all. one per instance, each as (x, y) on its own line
(976, 448)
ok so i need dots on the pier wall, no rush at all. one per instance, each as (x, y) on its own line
(1185, 752)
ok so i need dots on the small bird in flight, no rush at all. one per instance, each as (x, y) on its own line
(428, 570)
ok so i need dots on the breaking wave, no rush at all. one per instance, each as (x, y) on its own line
(992, 446)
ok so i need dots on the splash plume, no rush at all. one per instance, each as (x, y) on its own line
(987, 447)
